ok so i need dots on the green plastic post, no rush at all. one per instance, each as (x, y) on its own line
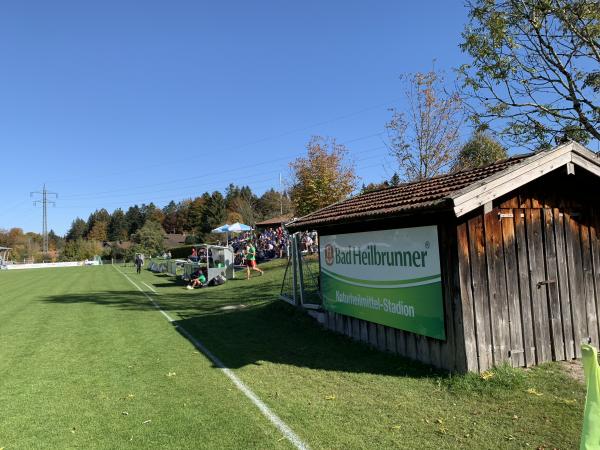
(590, 436)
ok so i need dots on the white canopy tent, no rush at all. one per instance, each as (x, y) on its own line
(223, 229)
(238, 227)
(233, 228)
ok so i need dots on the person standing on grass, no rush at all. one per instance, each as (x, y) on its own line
(138, 263)
(251, 260)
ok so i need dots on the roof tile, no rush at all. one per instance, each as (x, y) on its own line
(430, 194)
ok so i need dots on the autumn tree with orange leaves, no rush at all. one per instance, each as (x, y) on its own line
(321, 178)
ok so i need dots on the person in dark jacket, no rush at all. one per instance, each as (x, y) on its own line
(139, 262)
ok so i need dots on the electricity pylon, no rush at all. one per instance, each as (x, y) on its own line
(44, 202)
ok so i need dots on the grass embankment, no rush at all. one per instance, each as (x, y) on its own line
(81, 340)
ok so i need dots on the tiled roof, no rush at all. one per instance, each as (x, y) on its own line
(275, 220)
(172, 240)
(431, 194)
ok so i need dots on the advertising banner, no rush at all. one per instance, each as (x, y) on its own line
(391, 277)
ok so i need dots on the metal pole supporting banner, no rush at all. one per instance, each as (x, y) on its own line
(293, 255)
(299, 265)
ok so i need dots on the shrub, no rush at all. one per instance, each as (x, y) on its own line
(181, 252)
(191, 239)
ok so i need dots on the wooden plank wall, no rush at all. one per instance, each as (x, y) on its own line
(449, 354)
(521, 283)
(529, 280)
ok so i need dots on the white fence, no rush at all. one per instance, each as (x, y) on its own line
(49, 265)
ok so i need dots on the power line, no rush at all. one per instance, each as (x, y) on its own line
(218, 174)
(256, 182)
(260, 182)
(44, 202)
(12, 208)
(249, 179)
(267, 138)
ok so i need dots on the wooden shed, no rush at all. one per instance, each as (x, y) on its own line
(519, 261)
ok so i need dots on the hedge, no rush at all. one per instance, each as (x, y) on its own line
(181, 252)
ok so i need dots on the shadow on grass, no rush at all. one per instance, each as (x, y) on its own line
(277, 333)
(245, 326)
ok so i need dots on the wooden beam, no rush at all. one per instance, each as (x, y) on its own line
(479, 193)
(585, 152)
(570, 168)
(586, 164)
(511, 179)
(565, 148)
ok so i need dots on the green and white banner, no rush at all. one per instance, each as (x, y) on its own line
(391, 277)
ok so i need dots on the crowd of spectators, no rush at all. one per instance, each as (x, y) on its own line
(270, 243)
(239, 242)
(273, 243)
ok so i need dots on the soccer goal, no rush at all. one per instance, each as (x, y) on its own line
(300, 285)
(4, 256)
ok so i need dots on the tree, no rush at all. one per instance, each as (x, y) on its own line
(321, 178)
(117, 228)
(231, 193)
(134, 218)
(151, 212)
(395, 180)
(80, 249)
(99, 232)
(214, 215)
(534, 68)
(182, 216)
(245, 209)
(55, 242)
(196, 210)
(10, 238)
(100, 216)
(425, 139)
(23, 245)
(241, 204)
(247, 194)
(149, 239)
(233, 217)
(273, 203)
(170, 218)
(480, 150)
(372, 187)
(78, 230)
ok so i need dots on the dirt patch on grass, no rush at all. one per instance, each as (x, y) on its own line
(574, 369)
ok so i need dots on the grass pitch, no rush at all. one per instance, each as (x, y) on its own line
(86, 361)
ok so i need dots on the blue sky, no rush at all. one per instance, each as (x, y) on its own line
(113, 103)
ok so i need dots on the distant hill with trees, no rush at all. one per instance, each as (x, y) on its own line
(146, 225)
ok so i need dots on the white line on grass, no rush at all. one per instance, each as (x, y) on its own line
(150, 287)
(287, 432)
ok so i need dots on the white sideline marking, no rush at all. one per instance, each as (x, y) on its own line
(149, 287)
(287, 432)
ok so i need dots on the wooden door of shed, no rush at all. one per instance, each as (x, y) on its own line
(533, 288)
